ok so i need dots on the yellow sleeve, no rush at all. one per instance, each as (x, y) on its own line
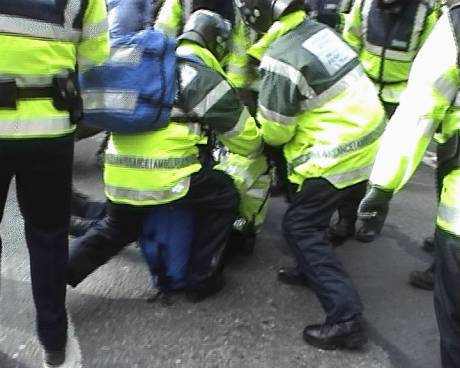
(352, 29)
(169, 20)
(94, 48)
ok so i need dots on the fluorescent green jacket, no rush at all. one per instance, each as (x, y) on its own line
(175, 13)
(431, 102)
(316, 100)
(155, 167)
(387, 44)
(35, 46)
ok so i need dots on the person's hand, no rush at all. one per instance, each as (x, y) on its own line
(375, 203)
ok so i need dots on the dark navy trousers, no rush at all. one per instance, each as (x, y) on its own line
(304, 226)
(43, 172)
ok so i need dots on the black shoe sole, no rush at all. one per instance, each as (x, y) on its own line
(354, 341)
(287, 280)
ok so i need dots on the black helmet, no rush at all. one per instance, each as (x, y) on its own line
(222, 7)
(209, 30)
(260, 14)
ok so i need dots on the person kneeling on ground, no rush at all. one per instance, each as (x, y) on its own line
(171, 168)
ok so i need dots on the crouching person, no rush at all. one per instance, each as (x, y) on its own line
(316, 101)
(165, 166)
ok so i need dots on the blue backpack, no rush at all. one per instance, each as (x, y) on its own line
(166, 245)
(134, 91)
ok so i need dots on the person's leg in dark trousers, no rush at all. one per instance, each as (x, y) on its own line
(82, 206)
(305, 222)
(447, 296)
(43, 170)
(214, 200)
(6, 174)
(107, 237)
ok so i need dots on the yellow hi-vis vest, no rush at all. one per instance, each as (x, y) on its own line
(38, 41)
(316, 100)
(387, 44)
(155, 167)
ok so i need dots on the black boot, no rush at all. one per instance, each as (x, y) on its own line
(291, 276)
(341, 230)
(212, 286)
(349, 334)
(428, 244)
(79, 226)
(55, 358)
(423, 279)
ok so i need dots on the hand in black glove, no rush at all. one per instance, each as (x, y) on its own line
(374, 204)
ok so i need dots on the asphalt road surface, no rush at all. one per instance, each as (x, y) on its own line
(255, 322)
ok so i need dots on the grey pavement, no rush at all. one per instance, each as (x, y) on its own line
(254, 322)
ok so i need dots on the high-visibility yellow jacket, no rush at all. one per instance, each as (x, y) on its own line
(316, 100)
(175, 13)
(39, 41)
(155, 167)
(431, 102)
(387, 43)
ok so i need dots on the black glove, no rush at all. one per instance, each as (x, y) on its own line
(375, 203)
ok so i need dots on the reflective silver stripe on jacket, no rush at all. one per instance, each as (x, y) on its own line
(404, 56)
(94, 30)
(31, 81)
(186, 11)
(426, 127)
(109, 100)
(334, 152)
(448, 214)
(345, 6)
(37, 28)
(448, 89)
(34, 126)
(337, 88)
(239, 126)
(296, 77)
(211, 98)
(127, 55)
(148, 195)
(257, 193)
(135, 162)
(361, 173)
(275, 116)
(236, 170)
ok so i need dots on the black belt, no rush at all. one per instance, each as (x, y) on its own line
(34, 92)
(10, 93)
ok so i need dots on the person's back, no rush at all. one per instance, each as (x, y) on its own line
(387, 36)
(40, 45)
(329, 99)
